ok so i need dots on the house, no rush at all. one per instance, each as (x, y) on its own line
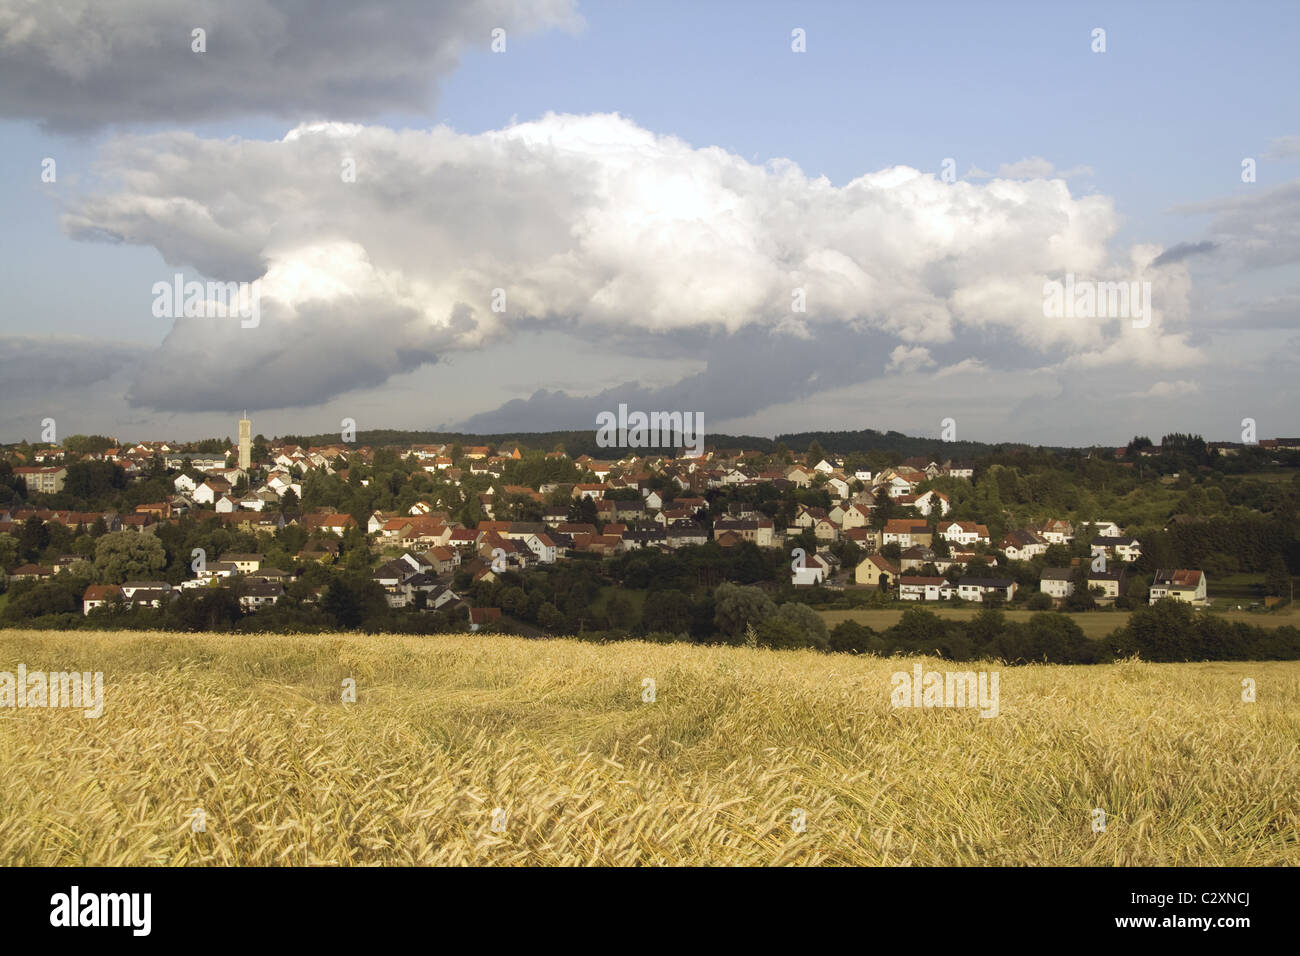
(761, 531)
(931, 501)
(1057, 531)
(681, 535)
(918, 555)
(977, 589)
(479, 616)
(542, 546)
(1105, 529)
(963, 532)
(1022, 545)
(147, 593)
(875, 570)
(807, 516)
(868, 538)
(244, 563)
(651, 537)
(1057, 583)
(799, 476)
(825, 530)
(814, 571)
(260, 594)
(443, 558)
(97, 595)
(918, 588)
(856, 515)
(333, 523)
(1120, 548)
(1111, 584)
(31, 572)
(838, 487)
(906, 532)
(45, 479)
(1180, 585)
(211, 489)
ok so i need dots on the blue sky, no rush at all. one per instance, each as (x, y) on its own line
(1156, 127)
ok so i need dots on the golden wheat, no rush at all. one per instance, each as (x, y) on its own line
(555, 735)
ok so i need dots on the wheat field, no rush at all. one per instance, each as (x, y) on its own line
(744, 757)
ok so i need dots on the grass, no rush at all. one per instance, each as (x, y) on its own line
(445, 730)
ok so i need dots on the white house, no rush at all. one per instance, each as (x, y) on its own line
(1181, 585)
(921, 588)
(963, 532)
(1056, 583)
(976, 589)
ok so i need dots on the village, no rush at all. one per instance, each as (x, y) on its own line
(887, 531)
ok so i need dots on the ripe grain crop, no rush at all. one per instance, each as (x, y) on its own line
(556, 736)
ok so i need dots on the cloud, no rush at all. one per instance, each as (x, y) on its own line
(1032, 167)
(34, 364)
(81, 64)
(1183, 250)
(1284, 147)
(1168, 390)
(590, 224)
(1260, 228)
(904, 359)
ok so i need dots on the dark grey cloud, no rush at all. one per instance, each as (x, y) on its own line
(1259, 227)
(1184, 250)
(291, 359)
(34, 364)
(82, 64)
(746, 372)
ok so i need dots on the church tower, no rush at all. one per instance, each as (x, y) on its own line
(245, 442)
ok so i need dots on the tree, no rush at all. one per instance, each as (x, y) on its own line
(34, 539)
(128, 556)
(736, 607)
(1276, 579)
(794, 625)
(668, 611)
(8, 552)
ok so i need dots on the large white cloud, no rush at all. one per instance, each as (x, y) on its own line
(594, 223)
(87, 63)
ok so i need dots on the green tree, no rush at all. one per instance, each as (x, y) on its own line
(128, 556)
(737, 607)
(1276, 579)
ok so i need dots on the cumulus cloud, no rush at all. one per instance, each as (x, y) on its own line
(80, 64)
(905, 359)
(591, 224)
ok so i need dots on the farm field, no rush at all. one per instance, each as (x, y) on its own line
(736, 745)
(1095, 624)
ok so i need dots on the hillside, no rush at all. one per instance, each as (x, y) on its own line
(445, 730)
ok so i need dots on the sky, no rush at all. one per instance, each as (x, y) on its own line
(784, 216)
